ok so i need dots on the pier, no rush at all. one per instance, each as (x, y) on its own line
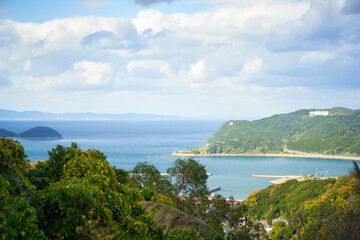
(281, 179)
(162, 174)
(214, 189)
(267, 176)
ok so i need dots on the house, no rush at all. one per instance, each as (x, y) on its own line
(319, 113)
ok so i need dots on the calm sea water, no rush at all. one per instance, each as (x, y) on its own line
(127, 142)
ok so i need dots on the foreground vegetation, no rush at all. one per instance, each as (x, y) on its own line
(76, 194)
(335, 134)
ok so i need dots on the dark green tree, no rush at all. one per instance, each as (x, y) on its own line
(282, 231)
(188, 178)
(146, 175)
(51, 170)
(13, 165)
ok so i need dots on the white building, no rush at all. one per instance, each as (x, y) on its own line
(319, 113)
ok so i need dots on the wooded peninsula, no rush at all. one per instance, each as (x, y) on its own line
(324, 132)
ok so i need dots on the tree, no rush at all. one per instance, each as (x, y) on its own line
(282, 231)
(145, 175)
(13, 165)
(88, 192)
(189, 179)
(51, 170)
(17, 216)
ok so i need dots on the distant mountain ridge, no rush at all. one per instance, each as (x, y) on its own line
(337, 133)
(38, 115)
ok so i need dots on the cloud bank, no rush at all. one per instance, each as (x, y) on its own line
(239, 58)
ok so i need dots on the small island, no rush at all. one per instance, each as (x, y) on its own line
(309, 133)
(36, 133)
(6, 133)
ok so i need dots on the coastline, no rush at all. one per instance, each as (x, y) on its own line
(287, 155)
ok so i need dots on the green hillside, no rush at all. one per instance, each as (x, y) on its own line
(311, 209)
(337, 133)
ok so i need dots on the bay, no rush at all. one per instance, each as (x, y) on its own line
(127, 142)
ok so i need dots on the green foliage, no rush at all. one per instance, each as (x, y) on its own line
(17, 218)
(145, 175)
(90, 187)
(79, 196)
(344, 141)
(282, 231)
(189, 179)
(321, 209)
(51, 170)
(337, 133)
(122, 175)
(276, 200)
(247, 144)
(13, 165)
(190, 194)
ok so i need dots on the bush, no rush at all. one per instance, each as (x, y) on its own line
(17, 219)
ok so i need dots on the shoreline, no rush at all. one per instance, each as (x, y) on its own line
(287, 155)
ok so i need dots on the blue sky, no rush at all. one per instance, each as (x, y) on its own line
(43, 10)
(217, 58)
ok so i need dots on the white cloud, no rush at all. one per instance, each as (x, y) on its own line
(236, 51)
(27, 66)
(197, 70)
(251, 68)
(148, 68)
(93, 73)
(151, 19)
(311, 58)
(84, 75)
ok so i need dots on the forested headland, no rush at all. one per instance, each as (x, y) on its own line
(337, 133)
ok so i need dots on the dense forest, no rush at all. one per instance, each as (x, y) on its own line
(337, 134)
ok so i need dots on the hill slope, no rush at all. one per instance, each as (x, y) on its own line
(324, 209)
(337, 133)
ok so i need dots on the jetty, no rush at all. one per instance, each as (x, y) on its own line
(214, 189)
(280, 179)
(162, 174)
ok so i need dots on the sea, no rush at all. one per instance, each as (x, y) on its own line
(125, 143)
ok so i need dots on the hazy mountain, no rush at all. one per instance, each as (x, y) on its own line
(37, 115)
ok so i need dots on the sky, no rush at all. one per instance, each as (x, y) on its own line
(223, 59)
